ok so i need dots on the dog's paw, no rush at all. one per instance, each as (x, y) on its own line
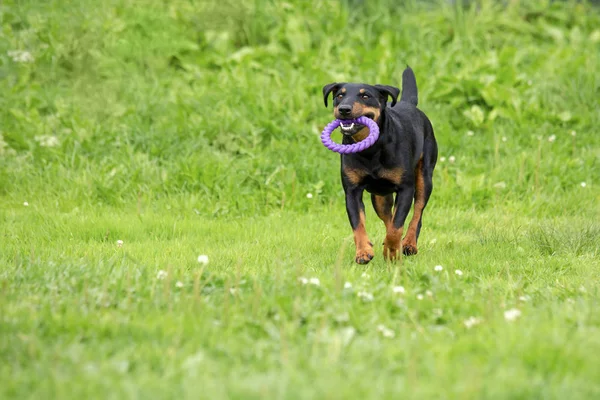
(391, 248)
(363, 256)
(409, 249)
(390, 254)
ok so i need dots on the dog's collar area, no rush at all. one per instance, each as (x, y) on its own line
(360, 135)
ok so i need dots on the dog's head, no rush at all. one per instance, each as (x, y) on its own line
(353, 100)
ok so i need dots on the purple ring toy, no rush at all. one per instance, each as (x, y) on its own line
(350, 148)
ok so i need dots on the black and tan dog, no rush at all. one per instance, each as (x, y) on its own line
(400, 162)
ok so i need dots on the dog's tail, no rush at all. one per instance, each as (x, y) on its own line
(409, 87)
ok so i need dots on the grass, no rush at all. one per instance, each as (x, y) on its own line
(185, 129)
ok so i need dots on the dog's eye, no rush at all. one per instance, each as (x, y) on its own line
(339, 96)
(365, 96)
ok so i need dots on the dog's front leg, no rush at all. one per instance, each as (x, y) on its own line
(392, 248)
(356, 214)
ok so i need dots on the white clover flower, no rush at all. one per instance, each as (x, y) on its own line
(314, 281)
(552, 138)
(470, 133)
(388, 333)
(429, 293)
(399, 289)
(442, 159)
(309, 195)
(525, 298)
(20, 56)
(303, 280)
(471, 322)
(451, 159)
(26, 204)
(364, 275)
(161, 274)
(504, 139)
(583, 184)
(119, 243)
(343, 317)
(47, 140)
(203, 259)
(512, 314)
(347, 285)
(233, 291)
(458, 272)
(419, 297)
(366, 296)
(179, 284)
(192, 361)
(573, 133)
(438, 268)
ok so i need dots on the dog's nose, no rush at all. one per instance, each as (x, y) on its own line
(345, 110)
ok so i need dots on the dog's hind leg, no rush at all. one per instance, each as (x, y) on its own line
(383, 206)
(423, 189)
(409, 244)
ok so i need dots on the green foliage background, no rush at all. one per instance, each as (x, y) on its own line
(218, 104)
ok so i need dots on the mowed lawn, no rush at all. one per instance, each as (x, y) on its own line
(171, 226)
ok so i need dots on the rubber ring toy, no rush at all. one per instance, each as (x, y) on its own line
(355, 147)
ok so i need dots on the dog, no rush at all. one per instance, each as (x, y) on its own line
(400, 162)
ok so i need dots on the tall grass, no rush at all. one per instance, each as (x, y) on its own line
(221, 101)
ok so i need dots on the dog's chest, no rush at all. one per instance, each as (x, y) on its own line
(383, 165)
(376, 179)
(391, 174)
(383, 180)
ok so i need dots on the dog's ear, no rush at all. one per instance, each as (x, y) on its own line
(391, 91)
(328, 89)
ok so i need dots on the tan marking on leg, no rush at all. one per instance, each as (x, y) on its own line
(393, 175)
(391, 244)
(381, 208)
(355, 176)
(393, 236)
(409, 244)
(364, 248)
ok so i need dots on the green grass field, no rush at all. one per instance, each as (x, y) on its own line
(187, 129)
